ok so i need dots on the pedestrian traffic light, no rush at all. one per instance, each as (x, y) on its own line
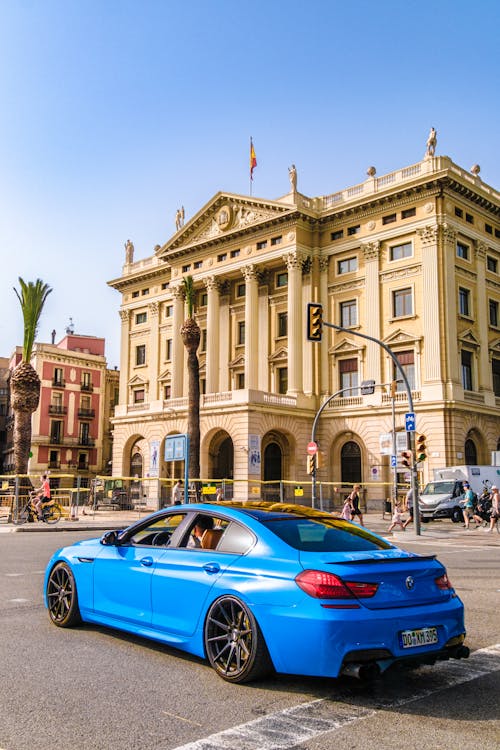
(421, 448)
(314, 321)
(311, 464)
(367, 387)
(406, 459)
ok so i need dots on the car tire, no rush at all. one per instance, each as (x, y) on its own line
(456, 515)
(234, 644)
(425, 519)
(62, 597)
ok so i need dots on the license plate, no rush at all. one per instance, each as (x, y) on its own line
(416, 638)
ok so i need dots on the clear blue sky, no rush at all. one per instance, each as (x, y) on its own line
(116, 112)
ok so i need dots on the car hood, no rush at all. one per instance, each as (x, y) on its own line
(434, 499)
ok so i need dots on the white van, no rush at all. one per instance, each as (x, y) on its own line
(443, 498)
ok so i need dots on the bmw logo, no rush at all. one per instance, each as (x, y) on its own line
(409, 583)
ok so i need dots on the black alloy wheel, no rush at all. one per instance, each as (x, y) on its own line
(234, 643)
(62, 598)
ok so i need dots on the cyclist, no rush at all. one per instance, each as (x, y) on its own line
(43, 495)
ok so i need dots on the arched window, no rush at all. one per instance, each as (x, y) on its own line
(350, 463)
(470, 452)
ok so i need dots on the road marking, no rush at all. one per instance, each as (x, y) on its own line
(182, 718)
(19, 601)
(288, 728)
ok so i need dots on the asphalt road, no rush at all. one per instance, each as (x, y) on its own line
(96, 689)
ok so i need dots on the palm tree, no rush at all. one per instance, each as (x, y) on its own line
(190, 332)
(24, 381)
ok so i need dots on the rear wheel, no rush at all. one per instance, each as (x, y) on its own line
(457, 515)
(234, 642)
(20, 514)
(62, 597)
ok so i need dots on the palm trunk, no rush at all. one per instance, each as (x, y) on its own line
(191, 333)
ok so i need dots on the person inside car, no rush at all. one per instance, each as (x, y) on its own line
(202, 524)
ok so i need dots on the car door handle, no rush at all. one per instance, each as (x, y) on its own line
(147, 562)
(212, 567)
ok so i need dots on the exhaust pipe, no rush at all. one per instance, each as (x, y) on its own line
(366, 672)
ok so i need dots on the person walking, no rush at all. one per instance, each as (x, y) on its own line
(495, 509)
(177, 493)
(468, 505)
(409, 507)
(354, 500)
(397, 519)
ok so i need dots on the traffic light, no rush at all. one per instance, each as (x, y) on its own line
(421, 448)
(311, 464)
(320, 456)
(314, 321)
(394, 388)
(406, 459)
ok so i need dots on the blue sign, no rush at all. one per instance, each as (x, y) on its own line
(394, 462)
(410, 421)
(175, 448)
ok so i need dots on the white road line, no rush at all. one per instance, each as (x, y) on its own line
(19, 601)
(288, 728)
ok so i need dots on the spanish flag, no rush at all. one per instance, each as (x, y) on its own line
(253, 159)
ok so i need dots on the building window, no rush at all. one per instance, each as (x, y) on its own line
(240, 290)
(462, 251)
(407, 361)
(83, 433)
(402, 303)
(58, 376)
(235, 253)
(347, 266)
(348, 313)
(466, 360)
(397, 252)
(135, 294)
(169, 311)
(276, 240)
(389, 219)
(282, 376)
(491, 264)
(337, 235)
(186, 268)
(464, 302)
(488, 228)
(353, 230)
(140, 354)
(197, 264)
(282, 324)
(86, 385)
(56, 431)
(459, 212)
(408, 212)
(167, 392)
(240, 381)
(203, 386)
(282, 279)
(203, 340)
(165, 285)
(495, 371)
(221, 257)
(241, 333)
(261, 245)
(141, 318)
(348, 374)
(144, 292)
(493, 307)
(203, 299)
(469, 218)
(139, 395)
(168, 353)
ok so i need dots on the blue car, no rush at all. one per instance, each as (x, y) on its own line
(256, 586)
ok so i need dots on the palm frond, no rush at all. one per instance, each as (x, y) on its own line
(32, 299)
(190, 294)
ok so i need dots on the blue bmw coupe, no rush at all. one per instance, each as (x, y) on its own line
(256, 586)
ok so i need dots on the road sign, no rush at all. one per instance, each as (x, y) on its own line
(410, 421)
(312, 448)
(394, 461)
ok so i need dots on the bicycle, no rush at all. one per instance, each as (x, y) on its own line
(27, 513)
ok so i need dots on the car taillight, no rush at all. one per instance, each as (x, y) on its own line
(323, 585)
(443, 582)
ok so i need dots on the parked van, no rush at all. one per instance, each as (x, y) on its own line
(443, 497)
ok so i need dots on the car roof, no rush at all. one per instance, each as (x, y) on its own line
(263, 510)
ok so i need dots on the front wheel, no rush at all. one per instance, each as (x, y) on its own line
(234, 642)
(457, 515)
(62, 597)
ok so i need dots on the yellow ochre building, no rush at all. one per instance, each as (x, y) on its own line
(411, 258)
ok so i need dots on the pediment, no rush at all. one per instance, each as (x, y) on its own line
(238, 361)
(494, 346)
(165, 375)
(279, 355)
(346, 346)
(401, 337)
(137, 380)
(467, 337)
(225, 215)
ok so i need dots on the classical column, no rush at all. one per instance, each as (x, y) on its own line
(371, 254)
(224, 338)
(452, 375)
(124, 355)
(294, 262)
(482, 318)
(212, 355)
(154, 346)
(324, 380)
(263, 376)
(429, 311)
(177, 344)
(250, 274)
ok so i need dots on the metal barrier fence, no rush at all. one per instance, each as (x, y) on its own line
(77, 494)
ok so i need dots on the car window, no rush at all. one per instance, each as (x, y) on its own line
(158, 532)
(205, 532)
(236, 540)
(314, 535)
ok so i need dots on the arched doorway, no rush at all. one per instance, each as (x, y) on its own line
(470, 452)
(224, 461)
(272, 463)
(350, 463)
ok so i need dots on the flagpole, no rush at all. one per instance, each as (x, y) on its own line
(250, 180)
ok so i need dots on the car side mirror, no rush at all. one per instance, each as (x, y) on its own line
(110, 538)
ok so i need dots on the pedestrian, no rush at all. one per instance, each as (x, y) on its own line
(347, 510)
(177, 493)
(219, 495)
(397, 518)
(468, 510)
(409, 507)
(354, 500)
(495, 508)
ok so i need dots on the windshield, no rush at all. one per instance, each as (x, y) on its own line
(324, 535)
(439, 488)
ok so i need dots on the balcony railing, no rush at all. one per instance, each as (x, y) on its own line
(86, 413)
(58, 383)
(88, 387)
(54, 464)
(57, 409)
